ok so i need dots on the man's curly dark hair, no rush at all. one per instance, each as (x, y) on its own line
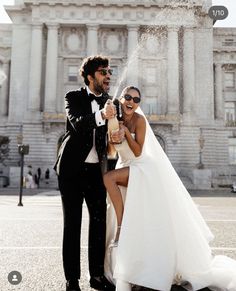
(90, 66)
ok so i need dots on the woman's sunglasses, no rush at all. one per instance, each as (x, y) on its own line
(129, 97)
(105, 71)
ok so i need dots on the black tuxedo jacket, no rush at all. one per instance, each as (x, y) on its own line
(78, 139)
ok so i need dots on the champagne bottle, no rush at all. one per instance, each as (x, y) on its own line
(112, 124)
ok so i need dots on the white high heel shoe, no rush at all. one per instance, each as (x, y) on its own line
(114, 243)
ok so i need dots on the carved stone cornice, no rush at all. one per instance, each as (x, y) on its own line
(223, 31)
(53, 117)
(170, 119)
(229, 67)
(135, 11)
(52, 25)
(118, 3)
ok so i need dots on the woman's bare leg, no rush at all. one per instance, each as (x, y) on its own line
(111, 180)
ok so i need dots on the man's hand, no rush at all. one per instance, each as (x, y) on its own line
(109, 110)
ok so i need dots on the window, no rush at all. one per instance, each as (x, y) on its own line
(115, 71)
(229, 42)
(161, 142)
(230, 113)
(229, 79)
(150, 74)
(72, 73)
(2, 75)
(232, 151)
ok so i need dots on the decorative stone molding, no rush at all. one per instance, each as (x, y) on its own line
(120, 3)
(51, 121)
(229, 67)
(73, 40)
(164, 119)
(112, 13)
(112, 41)
(53, 117)
(153, 42)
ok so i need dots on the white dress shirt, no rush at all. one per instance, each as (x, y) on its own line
(93, 156)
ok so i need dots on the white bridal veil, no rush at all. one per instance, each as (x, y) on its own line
(163, 238)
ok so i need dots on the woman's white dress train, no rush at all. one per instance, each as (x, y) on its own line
(163, 238)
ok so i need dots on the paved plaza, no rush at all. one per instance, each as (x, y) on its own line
(30, 236)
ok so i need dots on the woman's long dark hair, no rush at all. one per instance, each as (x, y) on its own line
(126, 90)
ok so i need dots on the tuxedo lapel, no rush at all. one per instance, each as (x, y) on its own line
(86, 101)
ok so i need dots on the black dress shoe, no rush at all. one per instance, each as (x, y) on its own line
(72, 285)
(101, 283)
(177, 288)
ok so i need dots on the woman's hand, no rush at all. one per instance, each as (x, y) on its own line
(117, 136)
(123, 127)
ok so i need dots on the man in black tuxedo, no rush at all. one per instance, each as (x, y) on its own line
(79, 167)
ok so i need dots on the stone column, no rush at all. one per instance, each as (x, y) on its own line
(35, 68)
(5, 90)
(219, 96)
(19, 76)
(51, 68)
(132, 67)
(173, 70)
(188, 71)
(60, 99)
(92, 39)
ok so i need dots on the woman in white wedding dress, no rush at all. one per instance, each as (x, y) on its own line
(163, 238)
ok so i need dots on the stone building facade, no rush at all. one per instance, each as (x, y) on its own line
(184, 67)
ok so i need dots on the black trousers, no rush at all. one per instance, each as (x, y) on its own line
(85, 183)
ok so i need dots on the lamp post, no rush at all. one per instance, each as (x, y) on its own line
(201, 141)
(23, 150)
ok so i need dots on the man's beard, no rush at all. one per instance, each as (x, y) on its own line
(99, 88)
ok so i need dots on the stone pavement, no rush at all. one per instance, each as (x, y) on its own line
(30, 236)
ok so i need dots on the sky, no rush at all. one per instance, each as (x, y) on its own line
(230, 21)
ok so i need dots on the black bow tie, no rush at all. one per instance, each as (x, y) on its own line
(100, 100)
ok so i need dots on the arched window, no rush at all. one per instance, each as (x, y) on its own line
(161, 141)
